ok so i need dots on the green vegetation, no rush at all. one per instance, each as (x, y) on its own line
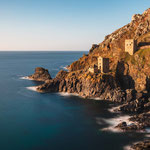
(143, 52)
(129, 58)
(139, 57)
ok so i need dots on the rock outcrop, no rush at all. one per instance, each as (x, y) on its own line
(40, 74)
(53, 85)
(85, 84)
(145, 145)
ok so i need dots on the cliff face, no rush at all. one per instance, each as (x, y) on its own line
(133, 71)
(102, 86)
(128, 80)
(127, 73)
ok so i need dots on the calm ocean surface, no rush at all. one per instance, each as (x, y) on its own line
(34, 121)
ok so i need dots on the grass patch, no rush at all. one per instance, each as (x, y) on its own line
(142, 54)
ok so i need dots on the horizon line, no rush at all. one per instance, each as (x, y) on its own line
(38, 50)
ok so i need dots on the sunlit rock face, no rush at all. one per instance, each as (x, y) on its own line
(127, 73)
(132, 70)
(40, 74)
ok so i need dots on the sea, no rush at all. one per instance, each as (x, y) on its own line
(53, 121)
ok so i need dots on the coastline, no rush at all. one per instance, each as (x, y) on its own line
(32, 88)
(111, 123)
(116, 70)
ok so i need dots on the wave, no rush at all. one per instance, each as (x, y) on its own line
(128, 147)
(75, 94)
(32, 88)
(114, 109)
(97, 99)
(65, 68)
(113, 122)
(25, 78)
(67, 94)
(147, 135)
(147, 130)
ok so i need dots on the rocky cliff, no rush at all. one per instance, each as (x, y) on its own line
(127, 82)
(134, 69)
(127, 73)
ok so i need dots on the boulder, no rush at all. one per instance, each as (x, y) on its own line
(145, 145)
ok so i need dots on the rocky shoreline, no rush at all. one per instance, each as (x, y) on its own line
(127, 83)
(138, 108)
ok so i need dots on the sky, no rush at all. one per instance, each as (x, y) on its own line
(62, 24)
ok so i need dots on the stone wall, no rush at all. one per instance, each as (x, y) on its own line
(93, 69)
(103, 64)
(130, 46)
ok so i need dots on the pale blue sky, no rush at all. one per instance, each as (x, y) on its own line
(62, 24)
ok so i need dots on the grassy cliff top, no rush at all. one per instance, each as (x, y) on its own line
(141, 56)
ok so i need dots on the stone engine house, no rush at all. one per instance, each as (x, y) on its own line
(130, 46)
(93, 69)
(102, 67)
(103, 64)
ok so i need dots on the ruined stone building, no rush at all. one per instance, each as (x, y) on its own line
(93, 69)
(103, 64)
(130, 46)
(101, 67)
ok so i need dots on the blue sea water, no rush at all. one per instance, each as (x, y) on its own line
(34, 121)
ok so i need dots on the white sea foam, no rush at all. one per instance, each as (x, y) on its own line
(147, 130)
(147, 135)
(128, 147)
(25, 78)
(97, 99)
(67, 94)
(75, 94)
(113, 122)
(114, 109)
(32, 88)
(65, 68)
